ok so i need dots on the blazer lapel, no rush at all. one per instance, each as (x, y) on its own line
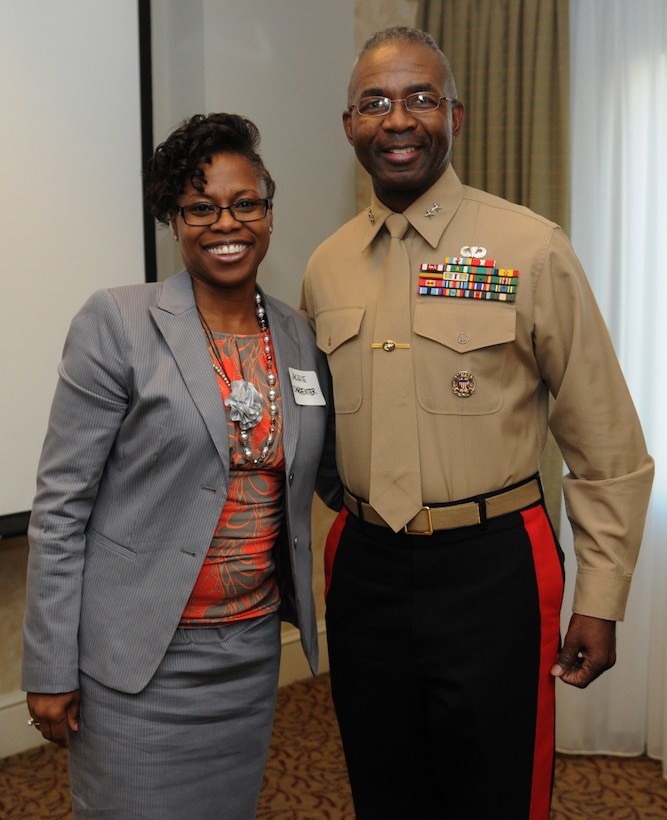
(177, 319)
(288, 354)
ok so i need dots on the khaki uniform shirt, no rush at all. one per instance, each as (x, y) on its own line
(552, 339)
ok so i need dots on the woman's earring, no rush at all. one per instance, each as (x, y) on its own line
(176, 237)
(271, 229)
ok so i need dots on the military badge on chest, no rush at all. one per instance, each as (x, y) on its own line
(468, 276)
(463, 384)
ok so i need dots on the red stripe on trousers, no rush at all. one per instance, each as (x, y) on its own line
(331, 546)
(547, 569)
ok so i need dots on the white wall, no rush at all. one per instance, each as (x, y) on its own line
(285, 65)
(71, 153)
(70, 211)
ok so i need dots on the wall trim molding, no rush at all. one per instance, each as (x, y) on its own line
(293, 663)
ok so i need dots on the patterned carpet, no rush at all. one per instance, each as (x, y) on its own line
(306, 780)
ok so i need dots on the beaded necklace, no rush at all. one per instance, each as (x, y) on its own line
(245, 400)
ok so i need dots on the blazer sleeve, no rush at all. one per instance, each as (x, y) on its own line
(89, 405)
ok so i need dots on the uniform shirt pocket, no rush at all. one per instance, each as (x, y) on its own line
(337, 332)
(455, 335)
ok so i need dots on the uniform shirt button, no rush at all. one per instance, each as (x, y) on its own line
(463, 339)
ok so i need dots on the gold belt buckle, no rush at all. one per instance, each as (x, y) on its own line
(429, 531)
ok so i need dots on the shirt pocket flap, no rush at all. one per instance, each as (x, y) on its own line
(338, 325)
(467, 325)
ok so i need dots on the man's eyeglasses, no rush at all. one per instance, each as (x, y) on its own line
(201, 214)
(420, 103)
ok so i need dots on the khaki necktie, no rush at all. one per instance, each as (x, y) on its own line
(395, 485)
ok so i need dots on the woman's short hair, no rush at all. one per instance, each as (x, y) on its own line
(181, 158)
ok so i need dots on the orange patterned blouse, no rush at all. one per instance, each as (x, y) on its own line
(237, 579)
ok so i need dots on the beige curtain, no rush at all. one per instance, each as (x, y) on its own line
(511, 63)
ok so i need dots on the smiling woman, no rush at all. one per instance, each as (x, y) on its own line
(225, 252)
(173, 437)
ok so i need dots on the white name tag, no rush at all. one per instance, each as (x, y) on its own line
(306, 387)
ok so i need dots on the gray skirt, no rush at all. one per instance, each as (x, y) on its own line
(193, 744)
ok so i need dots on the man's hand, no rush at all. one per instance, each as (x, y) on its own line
(54, 714)
(589, 649)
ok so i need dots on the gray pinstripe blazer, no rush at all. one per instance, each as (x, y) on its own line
(132, 481)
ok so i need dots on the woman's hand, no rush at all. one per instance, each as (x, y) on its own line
(53, 715)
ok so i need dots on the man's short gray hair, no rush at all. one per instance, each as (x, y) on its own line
(405, 34)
